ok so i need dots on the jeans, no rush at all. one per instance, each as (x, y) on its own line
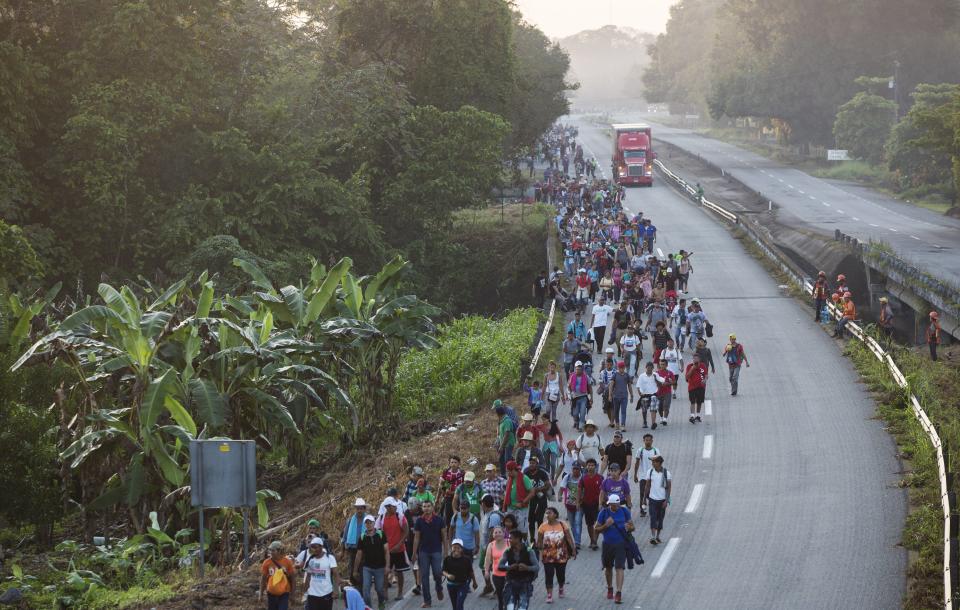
(694, 336)
(430, 562)
(620, 410)
(505, 456)
(537, 511)
(657, 508)
(632, 359)
(598, 334)
(375, 577)
(580, 411)
(517, 594)
(278, 602)
(575, 518)
(818, 305)
(734, 377)
(677, 337)
(458, 594)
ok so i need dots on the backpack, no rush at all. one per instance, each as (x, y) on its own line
(515, 419)
(278, 583)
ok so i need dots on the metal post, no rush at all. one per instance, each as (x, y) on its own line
(201, 536)
(246, 536)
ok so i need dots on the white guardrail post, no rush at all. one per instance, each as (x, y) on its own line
(881, 355)
(543, 337)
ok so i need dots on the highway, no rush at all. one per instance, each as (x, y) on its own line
(786, 495)
(919, 235)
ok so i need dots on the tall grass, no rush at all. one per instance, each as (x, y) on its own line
(855, 171)
(932, 384)
(477, 359)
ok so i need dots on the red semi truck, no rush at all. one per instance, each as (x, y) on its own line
(633, 154)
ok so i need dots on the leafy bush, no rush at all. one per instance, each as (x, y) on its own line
(477, 358)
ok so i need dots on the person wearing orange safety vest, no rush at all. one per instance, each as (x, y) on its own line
(819, 295)
(842, 284)
(933, 334)
(849, 314)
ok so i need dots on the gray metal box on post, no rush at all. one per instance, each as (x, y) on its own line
(223, 473)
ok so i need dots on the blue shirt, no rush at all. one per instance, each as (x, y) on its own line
(431, 538)
(579, 330)
(466, 530)
(650, 231)
(696, 320)
(612, 534)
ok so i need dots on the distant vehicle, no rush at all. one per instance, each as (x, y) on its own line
(633, 154)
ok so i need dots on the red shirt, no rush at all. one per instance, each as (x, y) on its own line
(454, 479)
(393, 528)
(696, 376)
(532, 428)
(590, 486)
(668, 378)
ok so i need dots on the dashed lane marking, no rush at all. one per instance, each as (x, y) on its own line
(708, 407)
(694, 500)
(665, 558)
(708, 446)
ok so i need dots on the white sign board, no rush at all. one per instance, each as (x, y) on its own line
(837, 155)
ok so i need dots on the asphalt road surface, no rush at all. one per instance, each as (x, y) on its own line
(919, 235)
(785, 496)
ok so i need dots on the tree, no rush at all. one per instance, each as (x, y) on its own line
(938, 123)
(913, 161)
(863, 125)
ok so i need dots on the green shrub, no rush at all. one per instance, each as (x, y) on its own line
(477, 359)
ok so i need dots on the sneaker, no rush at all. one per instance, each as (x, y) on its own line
(698, 418)
(549, 598)
(663, 423)
(691, 419)
(653, 426)
(609, 592)
(415, 591)
(618, 598)
(440, 594)
(644, 424)
(560, 593)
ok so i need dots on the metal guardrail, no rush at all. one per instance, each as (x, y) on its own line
(543, 337)
(950, 553)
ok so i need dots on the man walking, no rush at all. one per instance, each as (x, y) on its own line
(429, 543)
(657, 493)
(352, 531)
(620, 393)
(933, 334)
(647, 388)
(735, 356)
(614, 522)
(641, 466)
(819, 295)
(601, 317)
(571, 347)
(696, 375)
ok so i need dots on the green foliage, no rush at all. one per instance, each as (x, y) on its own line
(863, 125)
(477, 358)
(937, 120)
(133, 133)
(18, 261)
(152, 369)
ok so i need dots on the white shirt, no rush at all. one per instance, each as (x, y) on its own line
(646, 384)
(601, 315)
(673, 358)
(319, 570)
(589, 447)
(658, 487)
(567, 459)
(645, 459)
(629, 343)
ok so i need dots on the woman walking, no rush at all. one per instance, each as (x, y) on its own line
(554, 391)
(491, 563)
(556, 546)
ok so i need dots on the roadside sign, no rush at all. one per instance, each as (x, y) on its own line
(838, 155)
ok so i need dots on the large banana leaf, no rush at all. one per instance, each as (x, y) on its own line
(207, 402)
(321, 299)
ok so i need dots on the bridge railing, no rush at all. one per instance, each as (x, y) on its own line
(951, 554)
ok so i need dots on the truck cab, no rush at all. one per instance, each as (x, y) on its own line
(633, 154)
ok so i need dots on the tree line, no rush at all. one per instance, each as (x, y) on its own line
(160, 138)
(799, 64)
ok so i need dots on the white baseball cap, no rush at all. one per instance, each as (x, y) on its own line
(316, 540)
(527, 436)
(457, 541)
(613, 499)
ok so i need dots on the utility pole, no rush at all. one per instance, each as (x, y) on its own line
(896, 90)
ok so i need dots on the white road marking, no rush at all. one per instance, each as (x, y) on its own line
(708, 447)
(915, 237)
(841, 211)
(825, 203)
(812, 197)
(668, 552)
(694, 498)
(660, 253)
(780, 179)
(893, 230)
(801, 192)
(708, 407)
(789, 186)
(874, 226)
(857, 219)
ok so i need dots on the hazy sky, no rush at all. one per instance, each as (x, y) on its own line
(558, 18)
